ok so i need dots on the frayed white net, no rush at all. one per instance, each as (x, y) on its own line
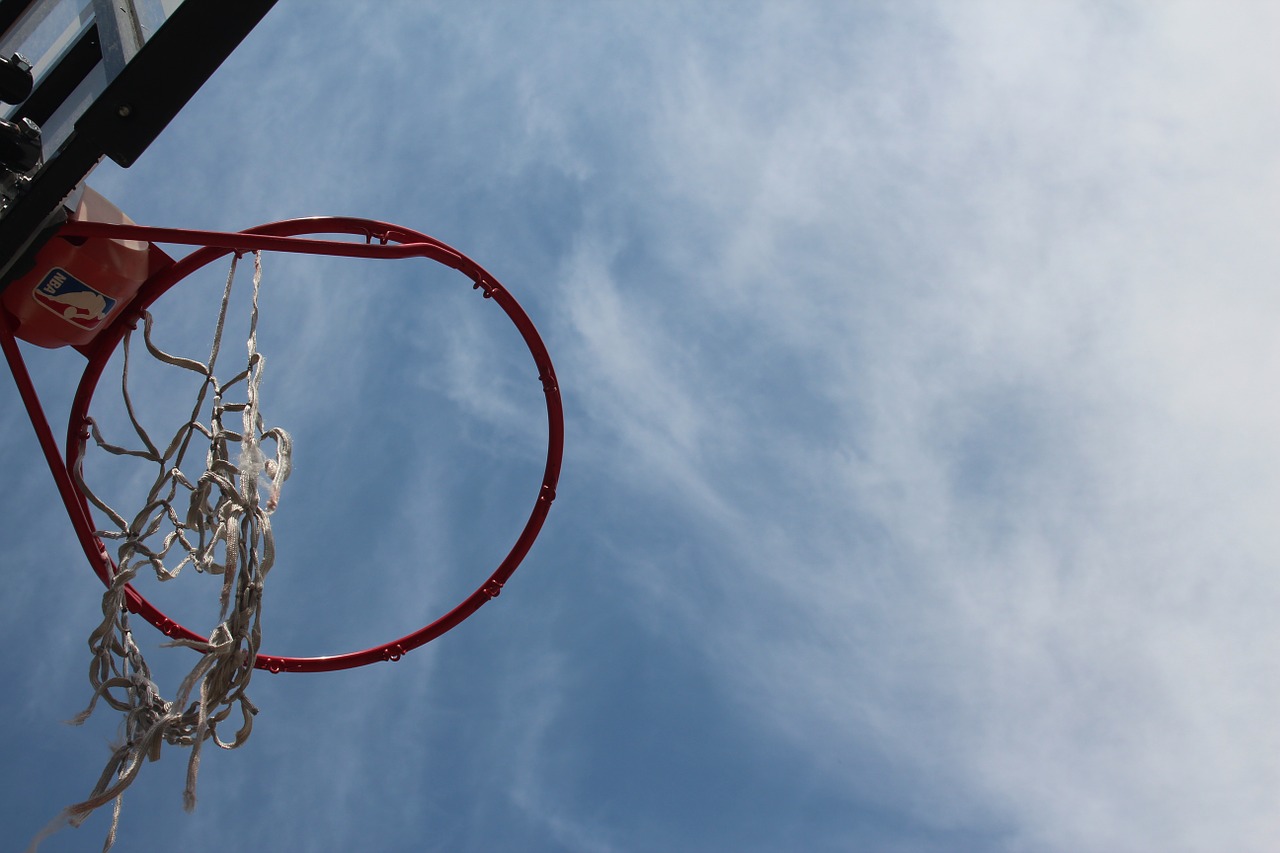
(219, 523)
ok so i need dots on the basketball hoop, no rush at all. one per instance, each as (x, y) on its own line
(239, 522)
(378, 240)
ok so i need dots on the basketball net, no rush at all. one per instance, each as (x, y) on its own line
(220, 524)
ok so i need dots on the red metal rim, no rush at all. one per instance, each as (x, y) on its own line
(380, 240)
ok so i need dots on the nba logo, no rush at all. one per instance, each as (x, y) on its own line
(72, 300)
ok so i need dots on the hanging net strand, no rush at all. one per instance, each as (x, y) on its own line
(220, 524)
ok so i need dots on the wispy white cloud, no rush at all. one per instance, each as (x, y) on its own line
(1038, 358)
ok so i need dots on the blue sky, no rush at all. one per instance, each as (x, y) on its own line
(920, 472)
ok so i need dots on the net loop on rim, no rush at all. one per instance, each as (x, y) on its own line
(221, 525)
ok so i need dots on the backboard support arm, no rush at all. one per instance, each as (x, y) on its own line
(167, 70)
(120, 30)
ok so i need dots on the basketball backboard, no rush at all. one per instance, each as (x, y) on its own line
(87, 79)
